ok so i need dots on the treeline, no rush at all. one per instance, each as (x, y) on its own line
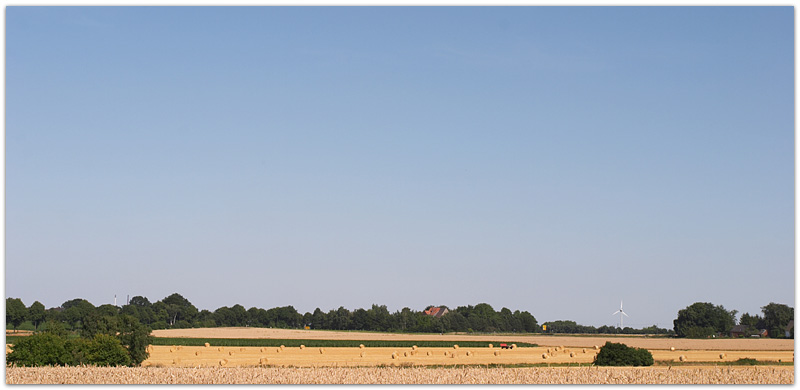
(175, 311)
(572, 327)
(704, 319)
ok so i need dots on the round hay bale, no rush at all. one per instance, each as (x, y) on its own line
(682, 358)
(414, 347)
(197, 353)
(561, 347)
(453, 355)
(230, 353)
(491, 346)
(219, 349)
(496, 353)
(180, 347)
(262, 350)
(171, 349)
(208, 345)
(176, 361)
(513, 346)
(263, 361)
(455, 346)
(361, 346)
(722, 356)
(445, 353)
(394, 355)
(429, 353)
(362, 353)
(278, 350)
(405, 354)
(469, 353)
(584, 350)
(596, 348)
(282, 347)
(223, 362)
(671, 348)
(302, 346)
(544, 356)
(548, 350)
(571, 354)
(321, 351)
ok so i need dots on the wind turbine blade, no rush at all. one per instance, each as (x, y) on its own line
(615, 312)
(624, 314)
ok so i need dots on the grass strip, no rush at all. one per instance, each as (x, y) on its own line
(199, 342)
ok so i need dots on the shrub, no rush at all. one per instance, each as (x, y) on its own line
(44, 349)
(618, 354)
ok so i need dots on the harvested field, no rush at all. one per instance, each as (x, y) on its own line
(395, 375)
(743, 344)
(165, 356)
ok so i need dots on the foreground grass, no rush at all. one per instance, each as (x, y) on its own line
(400, 375)
(199, 342)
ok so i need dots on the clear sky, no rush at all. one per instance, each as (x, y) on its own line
(548, 159)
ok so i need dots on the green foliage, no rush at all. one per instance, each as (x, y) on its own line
(135, 337)
(746, 362)
(56, 328)
(106, 350)
(15, 312)
(43, 349)
(703, 319)
(618, 354)
(776, 318)
(36, 314)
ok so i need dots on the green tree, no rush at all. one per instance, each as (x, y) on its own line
(16, 312)
(75, 311)
(106, 350)
(135, 337)
(36, 314)
(703, 319)
(776, 318)
(41, 349)
(618, 354)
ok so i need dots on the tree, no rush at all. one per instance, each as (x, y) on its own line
(752, 322)
(618, 354)
(76, 310)
(36, 314)
(41, 349)
(16, 312)
(776, 318)
(703, 319)
(135, 337)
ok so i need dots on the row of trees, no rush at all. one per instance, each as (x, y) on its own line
(175, 311)
(571, 327)
(704, 319)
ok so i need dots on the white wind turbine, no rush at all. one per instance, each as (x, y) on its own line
(621, 313)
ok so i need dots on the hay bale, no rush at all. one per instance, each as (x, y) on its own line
(362, 353)
(223, 362)
(548, 350)
(197, 353)
(321, 351)
(263, 361)
(361, 346)
(571, 354)
(682, 358)
(278, 350)
(394, 355)
(722, 356)
(596, 348)
(282, 347)
(172, 349)
(208, 345)
(429, 353)
(230, 353)
(491, 346)
(180, 347)
(513, 346)
(414, 347)
(176, 361)
(584, 350)
(469, 353)
(262, 350)
(405, 354)
(455, 346)
(219, 349)
(496, 353)
(671, 348)
(544, 356)
(302, 346)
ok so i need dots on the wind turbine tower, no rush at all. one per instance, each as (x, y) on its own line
(621, 313)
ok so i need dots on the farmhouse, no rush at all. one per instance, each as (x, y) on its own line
(739, 331)
(436, 311)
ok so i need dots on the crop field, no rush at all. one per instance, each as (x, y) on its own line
(401, 375)
(215, 356)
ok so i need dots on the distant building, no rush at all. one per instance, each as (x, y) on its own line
(790, 329)
(436, 311)
(739, 331)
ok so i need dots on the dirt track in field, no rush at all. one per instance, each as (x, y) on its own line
(566, 341)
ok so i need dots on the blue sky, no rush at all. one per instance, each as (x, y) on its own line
(549, 159)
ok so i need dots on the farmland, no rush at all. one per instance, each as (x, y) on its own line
(397, 375)
(255, 355)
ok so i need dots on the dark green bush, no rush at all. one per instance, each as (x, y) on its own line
(44, 349)
(618, 354)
